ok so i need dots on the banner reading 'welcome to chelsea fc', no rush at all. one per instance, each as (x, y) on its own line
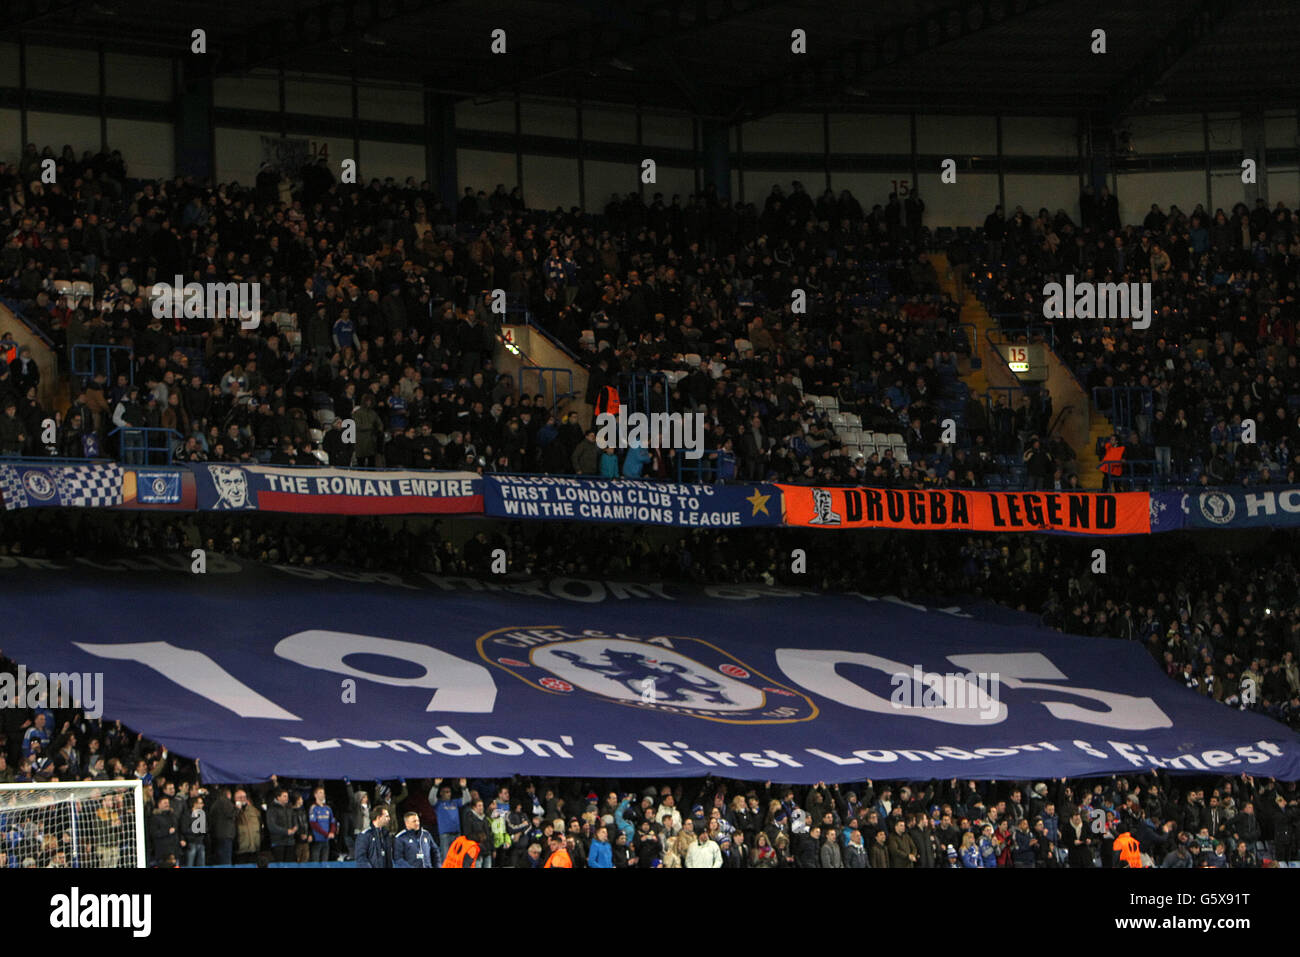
(630, 501)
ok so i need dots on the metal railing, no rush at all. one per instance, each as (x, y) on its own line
(146, 446)
(16, 308)
(1122, 404)
(48, 460)
(1058, 419)
(637, 388)
(714, 467)
(995, 347)
(1013, 395)
(541, 330)
(970, 332)
(553, 373)
(90, 359)
(517, 312)
(1013, 334)
(1139, 475)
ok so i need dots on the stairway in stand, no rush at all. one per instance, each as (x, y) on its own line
(976, 375)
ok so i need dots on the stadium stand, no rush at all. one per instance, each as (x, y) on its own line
(826, 339)
(392, 328)
(393, 322)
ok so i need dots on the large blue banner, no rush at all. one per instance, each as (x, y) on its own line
(619, 500)
(313, 673)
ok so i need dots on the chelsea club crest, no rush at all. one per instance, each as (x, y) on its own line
(673, 675)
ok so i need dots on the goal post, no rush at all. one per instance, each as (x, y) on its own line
(72, 824)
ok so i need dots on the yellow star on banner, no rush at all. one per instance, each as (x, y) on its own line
(759, 501)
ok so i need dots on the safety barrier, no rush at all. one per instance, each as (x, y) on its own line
(553, 373)
(146, 446)
(88, 360)
(1122, 404)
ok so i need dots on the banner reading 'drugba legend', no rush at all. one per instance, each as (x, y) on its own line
(1083, 513)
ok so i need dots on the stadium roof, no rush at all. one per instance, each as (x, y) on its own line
(732, 59)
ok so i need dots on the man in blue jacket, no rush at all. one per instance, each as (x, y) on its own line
(415, 847)
(375, 845)
(635, 462)
(1026, 845)
(1052, 828)
(988, 847)
(447, 810)
(600, 854)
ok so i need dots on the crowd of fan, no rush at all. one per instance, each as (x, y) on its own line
(1221, 348)
(522, 823)
(374, 311)
(1225, 623)
(374, 298)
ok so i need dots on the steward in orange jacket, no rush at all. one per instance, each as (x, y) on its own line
(1129, 850)
(559, 855)
(460, 849)
(1112, 463)
(607, 401)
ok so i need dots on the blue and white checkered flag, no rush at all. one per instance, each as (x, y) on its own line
(78, 486)
(90, 486)
(11, 488)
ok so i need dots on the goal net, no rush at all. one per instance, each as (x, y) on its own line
(72, 824)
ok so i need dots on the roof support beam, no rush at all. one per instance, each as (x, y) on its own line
(1158, 60)
(826, 76)
(613, 39)
(310, 27)
(16, 14)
